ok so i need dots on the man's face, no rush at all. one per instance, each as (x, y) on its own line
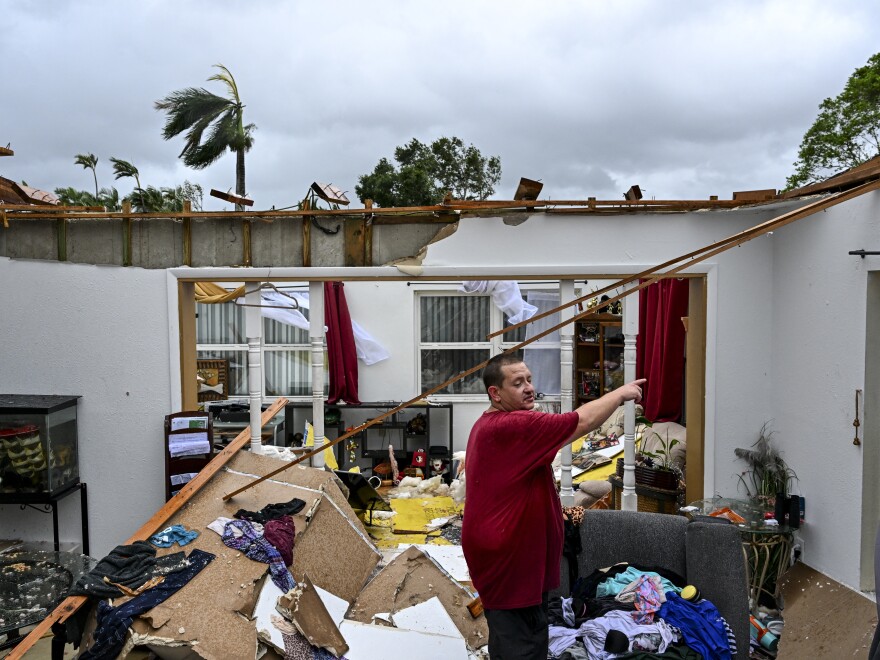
(516, 391)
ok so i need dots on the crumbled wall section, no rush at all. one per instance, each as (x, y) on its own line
(413, 578)
(335, 554)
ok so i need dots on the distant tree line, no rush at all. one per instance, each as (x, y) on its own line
(149, 199)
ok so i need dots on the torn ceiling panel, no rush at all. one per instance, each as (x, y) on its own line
(369, 642)
(428, 617)
(209, 608)
(298, 475)
(334, 552)
(413, 578)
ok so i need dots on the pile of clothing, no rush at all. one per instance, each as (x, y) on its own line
(637, 612)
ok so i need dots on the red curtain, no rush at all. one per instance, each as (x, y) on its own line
(342, 356)
(660, 348)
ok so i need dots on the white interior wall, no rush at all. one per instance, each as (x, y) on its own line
(818, 361)
(100, 332)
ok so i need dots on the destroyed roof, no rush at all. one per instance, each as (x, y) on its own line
(16, 193)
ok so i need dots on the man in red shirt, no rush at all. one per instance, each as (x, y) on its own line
(512, 527)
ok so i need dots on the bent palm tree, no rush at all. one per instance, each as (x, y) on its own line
(195, 110)
(122, 168)
(89, 162)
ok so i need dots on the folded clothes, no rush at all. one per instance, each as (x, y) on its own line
(171, 535)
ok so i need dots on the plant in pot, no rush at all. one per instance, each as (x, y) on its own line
(655, 468)
(767, 476)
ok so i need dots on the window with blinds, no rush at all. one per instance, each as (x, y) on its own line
(452, 330)
(220, 335)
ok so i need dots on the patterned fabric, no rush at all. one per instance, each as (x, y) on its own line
(574, 513)
(648, 599)
(259, 549)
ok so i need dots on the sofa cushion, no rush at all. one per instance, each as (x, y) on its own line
(595, 488)
(616, 419)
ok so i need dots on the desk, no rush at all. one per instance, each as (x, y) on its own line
(766, 548)
(50, 503)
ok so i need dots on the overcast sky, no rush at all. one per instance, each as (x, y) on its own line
(687, 99)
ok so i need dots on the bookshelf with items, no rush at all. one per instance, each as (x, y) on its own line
(598, 356)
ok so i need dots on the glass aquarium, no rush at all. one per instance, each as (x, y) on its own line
(38, 445)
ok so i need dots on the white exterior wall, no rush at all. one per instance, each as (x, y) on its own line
(100, 332)
(775, 351)
(818, 361)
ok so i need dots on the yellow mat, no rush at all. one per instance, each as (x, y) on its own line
(383, 533)
(413, 515)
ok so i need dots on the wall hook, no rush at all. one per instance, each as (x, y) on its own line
(856, 422)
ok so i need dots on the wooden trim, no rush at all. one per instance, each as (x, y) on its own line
(71, 604)
(61, 236)
(187, 234)
(186, 314)
(307, 240)
(355, 233)
(695, 390)
(126, 234)
(859, 174)
(453, 208)
(246, 242)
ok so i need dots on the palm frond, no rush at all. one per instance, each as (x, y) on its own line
(187, 107)
(123, 168)
(88, 161)
(227, 79)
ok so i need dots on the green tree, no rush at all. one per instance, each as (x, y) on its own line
(72, 197)
(195, 110)
(425, 173)
(165, 199)
(846, 132)
(109, 199)
(89, 162)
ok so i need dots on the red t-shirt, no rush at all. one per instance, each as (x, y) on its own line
(512, 527)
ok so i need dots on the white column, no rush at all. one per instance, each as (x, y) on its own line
(629, 500)
(316, 339)
(253, 324)
(566, 360)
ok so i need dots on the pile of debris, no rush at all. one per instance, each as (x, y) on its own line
(346, 603)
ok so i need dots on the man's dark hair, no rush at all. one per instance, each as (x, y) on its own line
(492, 373)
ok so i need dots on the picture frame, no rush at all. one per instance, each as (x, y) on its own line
(212, 380)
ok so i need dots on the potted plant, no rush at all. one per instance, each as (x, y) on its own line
(655, 468)
(767, 475)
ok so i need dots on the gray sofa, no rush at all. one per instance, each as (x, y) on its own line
(708, 555)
